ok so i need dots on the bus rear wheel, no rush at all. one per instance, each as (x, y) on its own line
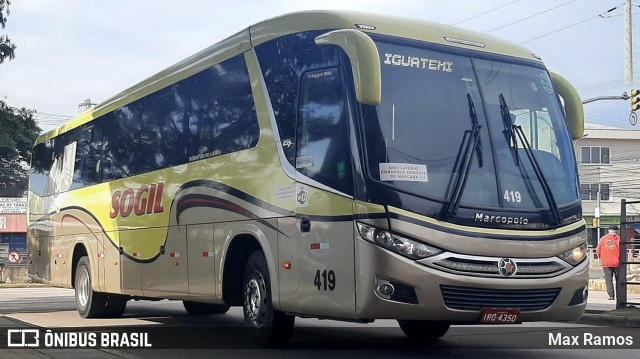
(423, 330)
(91, 304)
(269, 327)
(116, 305)
(197, 308)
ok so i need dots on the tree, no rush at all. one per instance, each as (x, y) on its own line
(7, 48)
(18, 132)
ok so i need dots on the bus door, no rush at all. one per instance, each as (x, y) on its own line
(324, 207)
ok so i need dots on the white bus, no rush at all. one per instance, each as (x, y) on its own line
(323, 164)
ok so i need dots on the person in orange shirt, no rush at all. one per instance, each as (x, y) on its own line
(608, 251)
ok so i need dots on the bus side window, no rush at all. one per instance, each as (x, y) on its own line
(171, 123)
(61, 174)
(94, 169)
(222, 117)
(121, 151)
(283, 62)
(83, 148)
(41, 163)
(52, 173)
(151, 154)
(323, 132)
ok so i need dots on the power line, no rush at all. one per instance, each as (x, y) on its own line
(603, 120)
(486, 12)
(610, 10)
(610, 16)
(534, 15)
(564, 28)
(570, 26)
(50, 119)
(41, 114)
(610, 87)
(599, 85)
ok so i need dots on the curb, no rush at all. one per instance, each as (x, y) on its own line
(601, 318)
(609, 320)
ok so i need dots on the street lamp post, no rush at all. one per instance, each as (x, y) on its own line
(625, 96)
(596, 211)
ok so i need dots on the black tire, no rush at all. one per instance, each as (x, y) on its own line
(90, 304)
(197, 308)
(116, 305)
(269, 327)
(423, 330)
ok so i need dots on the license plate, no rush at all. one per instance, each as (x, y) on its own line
(500, 316)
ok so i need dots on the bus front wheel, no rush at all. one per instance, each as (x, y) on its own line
(423, 330)
(90, 304)
(269, 327)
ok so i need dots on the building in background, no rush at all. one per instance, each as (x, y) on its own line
(608, 163)
(13, 230)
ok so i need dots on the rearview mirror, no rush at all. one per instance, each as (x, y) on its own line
(572, 105)
(365, 62)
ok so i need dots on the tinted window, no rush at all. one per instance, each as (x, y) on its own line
(221, 112)
(121, 149)
(434, 101)
(60, 176)
(283, 62)
(422, 124)
(158, 145)
(94, 174)
(54, 163)
(208, 114)
(83, 150)
(322, 138)
(41, 163)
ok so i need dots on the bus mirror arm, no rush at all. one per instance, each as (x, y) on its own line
(572, 105)
(365, 62)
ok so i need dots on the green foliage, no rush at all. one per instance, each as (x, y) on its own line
(18, 132)
(7, 48)
(4, 12)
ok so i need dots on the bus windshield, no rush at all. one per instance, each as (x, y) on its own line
(439, 109)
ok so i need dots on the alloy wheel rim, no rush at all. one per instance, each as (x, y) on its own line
(255, 301)
(83, 287)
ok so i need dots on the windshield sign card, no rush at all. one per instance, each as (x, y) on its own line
(403, 172)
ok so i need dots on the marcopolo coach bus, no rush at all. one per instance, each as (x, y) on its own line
(323, 164)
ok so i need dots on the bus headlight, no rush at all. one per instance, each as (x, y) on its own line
(404, 246)
(575, 256)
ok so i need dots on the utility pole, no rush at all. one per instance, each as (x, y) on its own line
(596, 212)
(87, 104)
(628, 44)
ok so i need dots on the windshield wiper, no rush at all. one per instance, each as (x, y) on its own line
(509, 132)
(513, 133)
(471, 143)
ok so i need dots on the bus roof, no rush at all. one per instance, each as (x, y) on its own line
(292, 23)
(408, 28)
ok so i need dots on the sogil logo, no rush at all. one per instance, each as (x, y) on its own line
(144, 200)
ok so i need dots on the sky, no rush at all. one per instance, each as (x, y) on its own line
(72, 50)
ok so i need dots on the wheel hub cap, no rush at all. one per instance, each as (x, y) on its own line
(82, 288)
(254, 299)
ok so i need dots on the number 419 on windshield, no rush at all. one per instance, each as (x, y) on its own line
(512, 196)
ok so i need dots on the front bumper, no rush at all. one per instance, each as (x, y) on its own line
(427, 285)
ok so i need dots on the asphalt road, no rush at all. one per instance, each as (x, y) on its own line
(219, 336)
